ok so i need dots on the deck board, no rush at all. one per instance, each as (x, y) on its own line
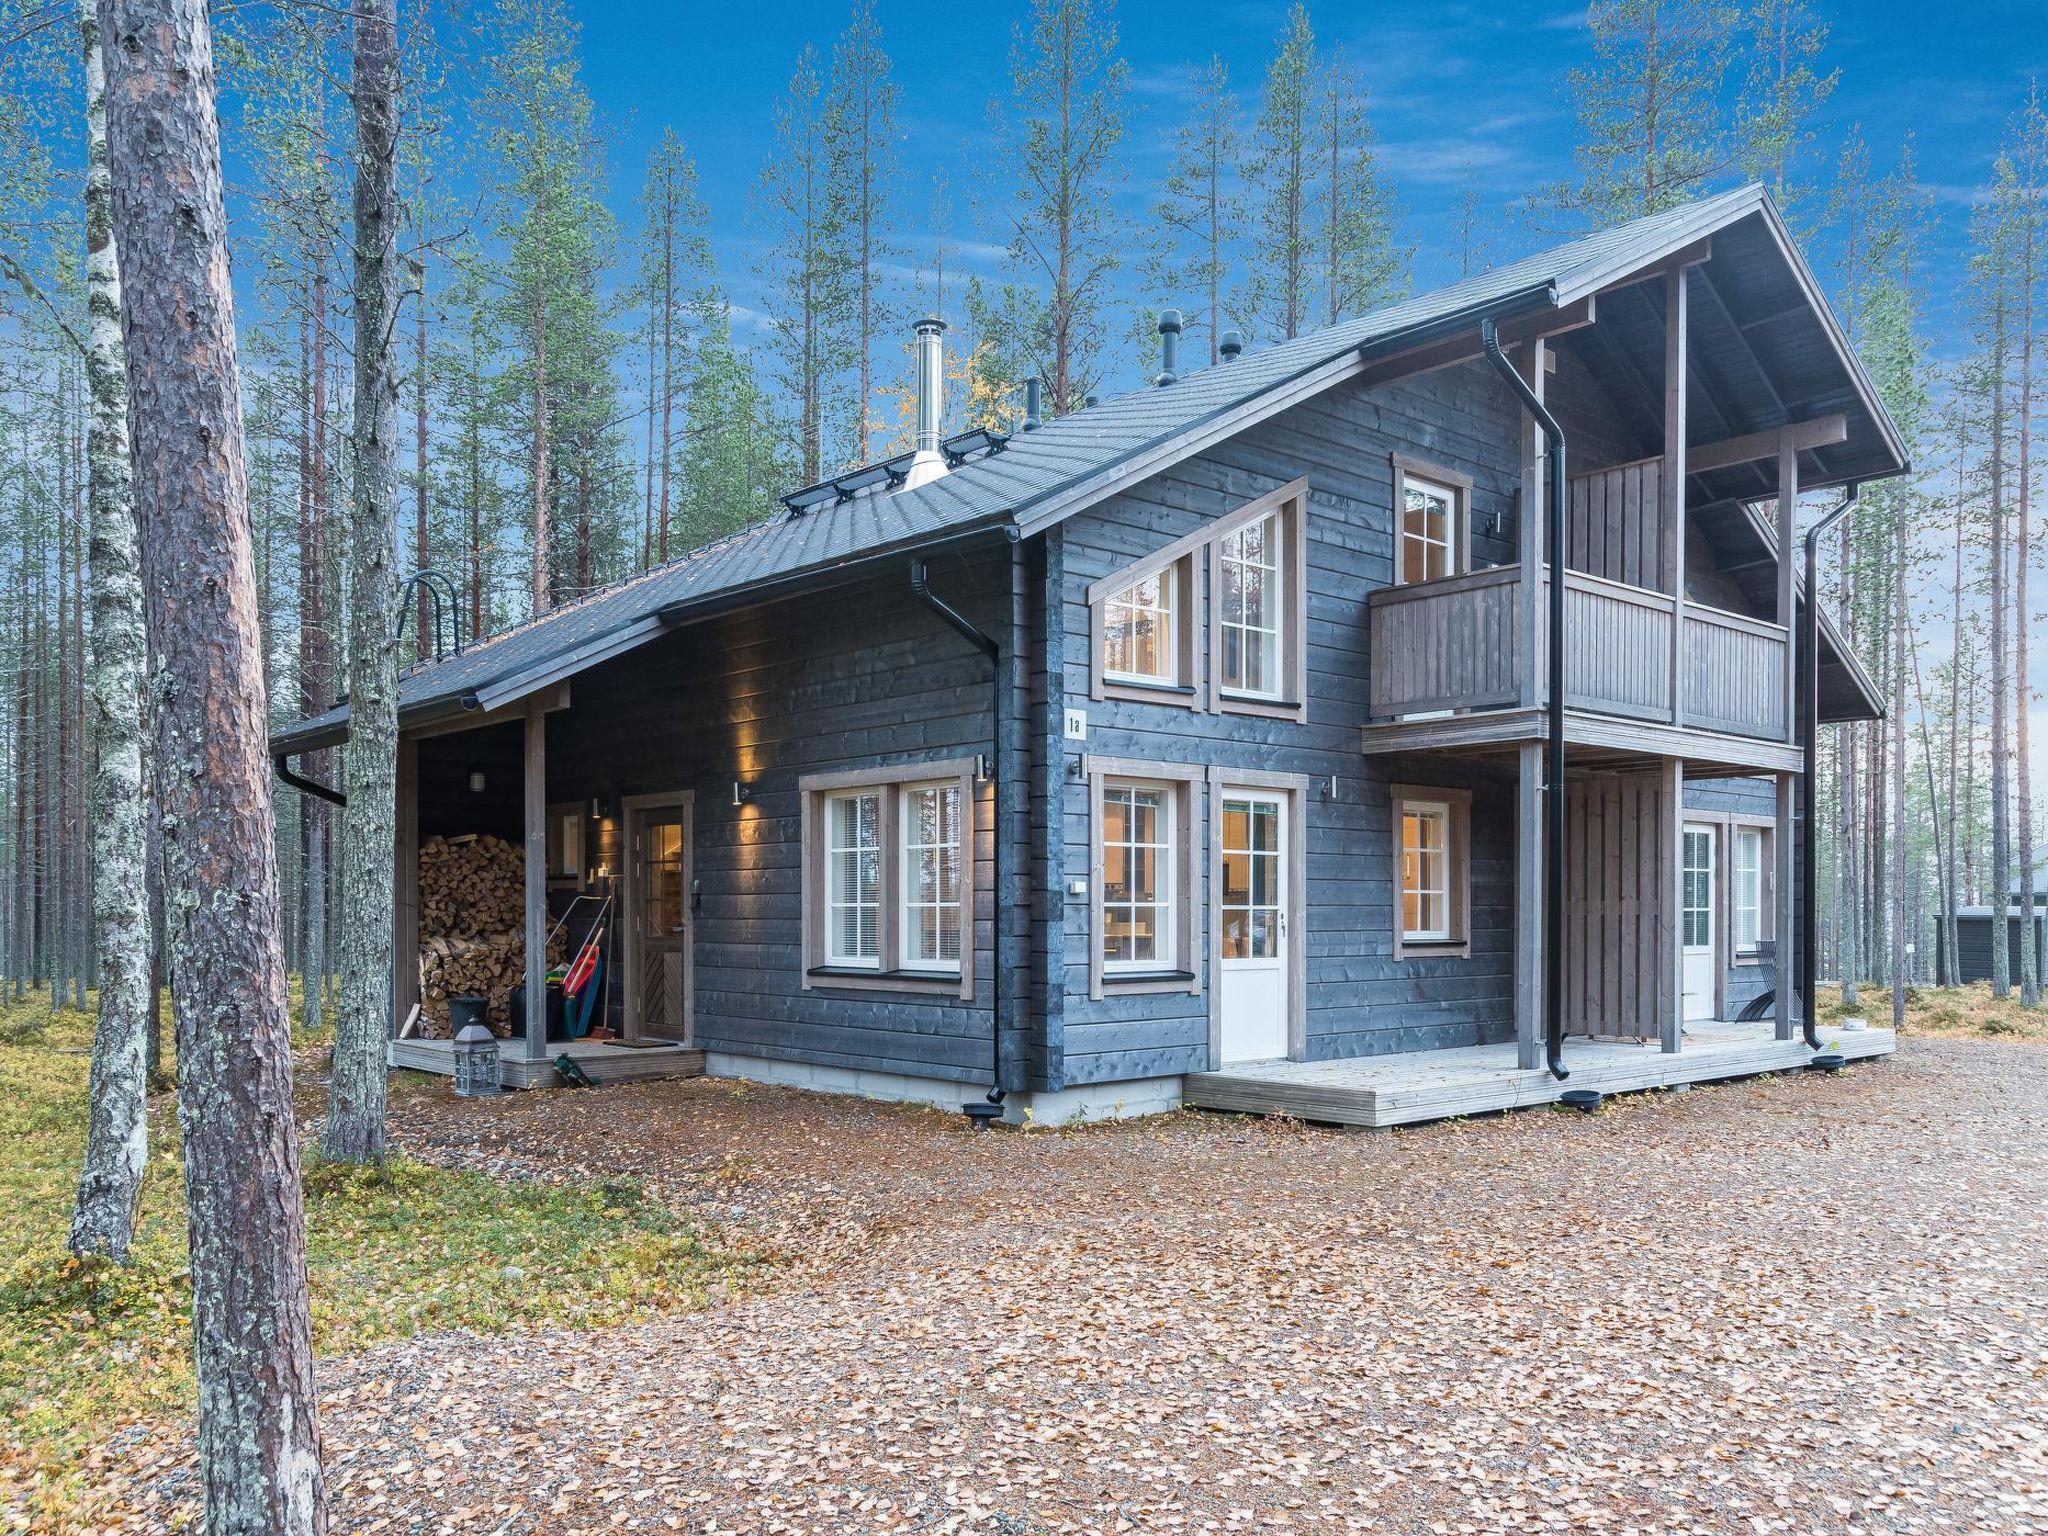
(1408, 1087)
(604, 1062)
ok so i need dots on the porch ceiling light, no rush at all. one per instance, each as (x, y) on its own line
(476, 781)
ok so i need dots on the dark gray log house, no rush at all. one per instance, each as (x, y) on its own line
(1192, 746)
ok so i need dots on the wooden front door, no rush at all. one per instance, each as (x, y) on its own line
(658, 922)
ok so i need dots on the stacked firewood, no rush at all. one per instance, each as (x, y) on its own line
(472, 927)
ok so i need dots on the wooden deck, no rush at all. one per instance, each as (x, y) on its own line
(604, 1061)
(1413, 1086)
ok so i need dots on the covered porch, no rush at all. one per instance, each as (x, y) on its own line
(1408, 1087)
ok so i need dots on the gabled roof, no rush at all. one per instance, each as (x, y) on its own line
(1070, 463)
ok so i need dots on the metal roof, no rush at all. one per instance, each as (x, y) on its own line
(1069, 463)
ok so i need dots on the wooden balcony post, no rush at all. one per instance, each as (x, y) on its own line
(1529, 903)
(1788, 530)
(1672, 479)
(1534, 363)
(1671, 921)
(536, 786)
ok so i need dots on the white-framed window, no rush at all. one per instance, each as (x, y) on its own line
(1746, 890)
(567, 861)
(1139, 923)
(1696, 888)
(1140, 631)
(1425, 872)
(853, 879)
(933, 852)
(1432, 842)
(1431, 508)
(1252, 601)
(888, 877)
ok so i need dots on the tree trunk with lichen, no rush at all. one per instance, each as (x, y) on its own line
(117, 1136)
(354, 1129)
(259, 1448)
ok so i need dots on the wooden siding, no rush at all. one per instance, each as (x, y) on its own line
(865, 677)
(1360, 1000)
(1614, 526)
(1621, 967)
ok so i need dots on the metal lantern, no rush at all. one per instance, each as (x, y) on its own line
(479, 1070)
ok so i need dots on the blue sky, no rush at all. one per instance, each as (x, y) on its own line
(1454, 85)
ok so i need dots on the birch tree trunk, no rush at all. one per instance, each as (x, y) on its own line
(354, 1130)
(117, 1136)
(259, 1448)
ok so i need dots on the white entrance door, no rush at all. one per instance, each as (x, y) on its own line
(1252, 954)
(1696, 922)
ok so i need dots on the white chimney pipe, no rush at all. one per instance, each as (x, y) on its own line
(929, 463)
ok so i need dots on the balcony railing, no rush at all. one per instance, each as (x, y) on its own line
(1453, 645)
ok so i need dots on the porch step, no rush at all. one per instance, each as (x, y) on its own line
(1411, 1087)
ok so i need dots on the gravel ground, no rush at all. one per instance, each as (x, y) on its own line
(1800, 1305)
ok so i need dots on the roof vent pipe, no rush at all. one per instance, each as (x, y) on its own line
(1169, 347)
(929, 463)
(1231, 346)
(1031, 388)
(1091, 399)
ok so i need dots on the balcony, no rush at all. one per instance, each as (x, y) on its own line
(1450, 668)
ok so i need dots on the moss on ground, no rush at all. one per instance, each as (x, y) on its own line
(1950, 1013)
(87, 1347)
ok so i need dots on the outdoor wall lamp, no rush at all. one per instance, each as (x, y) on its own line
(742, 792)
(476, 781)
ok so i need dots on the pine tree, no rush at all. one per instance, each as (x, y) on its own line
(539, 127)
(1279, 283)
(733, 466)
(1062, 131)
(1362, 267)
(1651, 121)
(354, 1130)
(1198, 212)
(1783, 92)
(675, 268)
(259, 1445)
(860, 134)
(805, 269)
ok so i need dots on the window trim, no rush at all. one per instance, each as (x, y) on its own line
(1288, 507)
(889, 973)
(1197, 624)
(1438, 477)
(828, 849)
(1766, 891)
(963, 900)
(1457, 807)
(561, 877)
(1188, 964)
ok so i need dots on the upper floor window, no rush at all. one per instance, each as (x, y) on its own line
(1140, 638)
(1253, 601)
(1430, 535)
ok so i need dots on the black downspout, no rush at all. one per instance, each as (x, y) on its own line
(1553, 790)
(283, 761)
(920, 584)
(1809, 751)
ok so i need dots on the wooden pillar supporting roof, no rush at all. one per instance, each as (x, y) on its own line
(536, 805)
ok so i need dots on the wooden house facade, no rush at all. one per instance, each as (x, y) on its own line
(1207, 726)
